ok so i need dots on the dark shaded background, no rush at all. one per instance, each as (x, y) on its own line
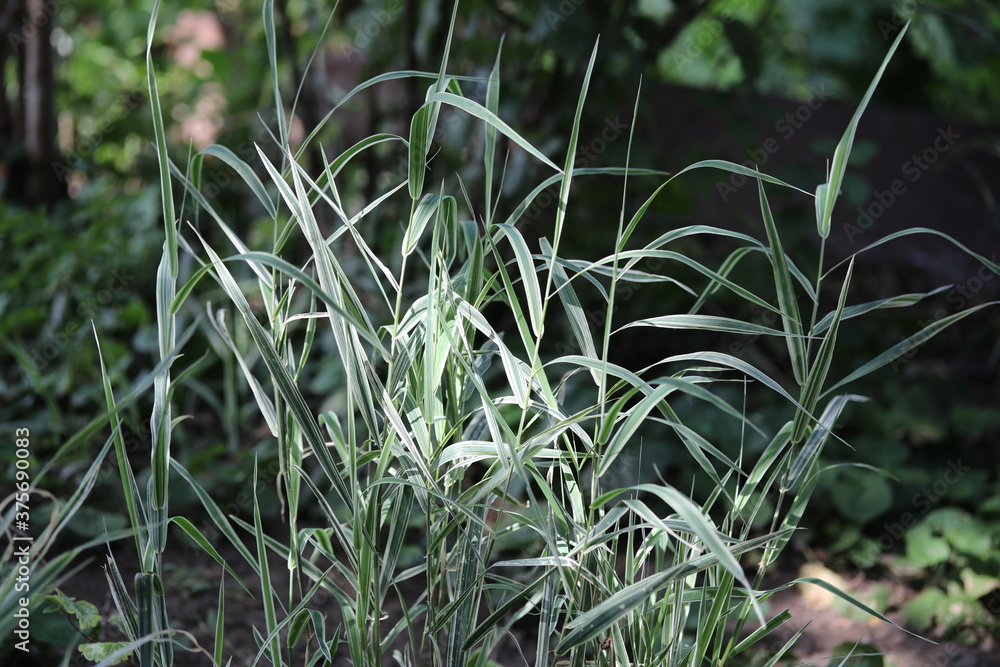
(772, 82)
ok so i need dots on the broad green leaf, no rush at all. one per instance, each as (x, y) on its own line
(84, 612)
(106, 651)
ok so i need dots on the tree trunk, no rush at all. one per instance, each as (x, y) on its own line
(30, 128)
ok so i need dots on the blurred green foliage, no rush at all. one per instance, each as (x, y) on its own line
(92, 258)
(953, 554)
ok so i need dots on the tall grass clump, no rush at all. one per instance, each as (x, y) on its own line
(466, 438)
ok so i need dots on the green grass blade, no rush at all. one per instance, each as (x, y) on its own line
(216, 515)
(787, 646)
(362, 328)
(166, 277)
(567, 173)
(270, 37)
(145, 614)
(267, 595)
(704, 528)
(479, 111)
(991, 265)
(855, 603)
(166, 191)
(708, 323)
(843, 150)
(123, 601)
(635, 256)
(489, 152)
(420, 143)
(712, 623)
(520, 595)
(724, 270)
(822, 219)
(592, 623)
(220, 623)
(546, 622)
(821, 367)
(246, 173)
(138, 518)
(773, 624)
(574, 310)
(734, 168)
(736, 364)
(280, 374)
(529, 278)
(425, 211)
(264, 403)
(908, 345)
(900, 301)
(814, 443)
(199, 538)
(790, 319)
(467, 587)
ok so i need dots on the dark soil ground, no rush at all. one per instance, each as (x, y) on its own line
(192, 581)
